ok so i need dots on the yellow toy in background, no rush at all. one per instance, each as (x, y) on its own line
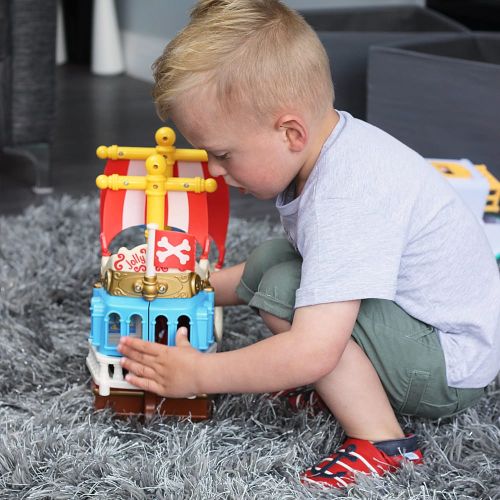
(480, 190)
(493, 198)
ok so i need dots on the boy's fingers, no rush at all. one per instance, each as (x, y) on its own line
(181, 337)
(137, 369)
(138, 345)
(135, 355)
(144, 383)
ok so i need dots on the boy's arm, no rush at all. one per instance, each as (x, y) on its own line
(225, 282)
(309, 351)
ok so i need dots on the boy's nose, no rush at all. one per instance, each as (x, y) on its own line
(215, 169)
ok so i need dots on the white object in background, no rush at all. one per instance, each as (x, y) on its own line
(61, 55)
(218, 323)
(107, 56)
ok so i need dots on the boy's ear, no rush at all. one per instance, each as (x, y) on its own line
(294, 131)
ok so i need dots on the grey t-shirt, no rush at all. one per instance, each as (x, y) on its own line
(375, 220)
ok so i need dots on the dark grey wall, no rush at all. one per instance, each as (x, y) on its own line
(163, 18)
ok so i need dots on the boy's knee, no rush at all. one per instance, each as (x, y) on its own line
(280, 282)
(271, 278)
(276, 291)
(265, 256)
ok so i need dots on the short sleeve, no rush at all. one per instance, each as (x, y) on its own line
(349, 252)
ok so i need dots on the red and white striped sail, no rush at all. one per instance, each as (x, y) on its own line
(203, 215)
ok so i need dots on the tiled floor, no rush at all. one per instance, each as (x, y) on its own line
(91, 111)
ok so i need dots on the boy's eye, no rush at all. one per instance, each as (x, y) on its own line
(224, 156)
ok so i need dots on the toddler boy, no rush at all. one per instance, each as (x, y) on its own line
(385, 295)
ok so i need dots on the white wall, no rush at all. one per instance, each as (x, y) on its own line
(148, 25)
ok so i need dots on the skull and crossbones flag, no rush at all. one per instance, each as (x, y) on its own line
(175, 250)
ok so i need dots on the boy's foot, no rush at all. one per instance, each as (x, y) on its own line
(302, 398)
(363, 457)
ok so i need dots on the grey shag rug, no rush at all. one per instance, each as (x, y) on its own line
(53, 445)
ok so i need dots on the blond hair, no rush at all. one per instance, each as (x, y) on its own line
(256, 53)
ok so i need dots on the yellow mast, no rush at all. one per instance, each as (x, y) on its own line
(159, 178)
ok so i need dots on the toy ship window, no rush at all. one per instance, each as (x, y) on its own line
(135, 326)
(161, 330)
(184, 321)
(113, 329)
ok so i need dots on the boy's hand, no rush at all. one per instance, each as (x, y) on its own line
(166, 371)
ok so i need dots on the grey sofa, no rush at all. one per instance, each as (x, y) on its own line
(27, 84)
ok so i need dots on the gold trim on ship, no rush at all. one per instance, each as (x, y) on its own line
(168, 285)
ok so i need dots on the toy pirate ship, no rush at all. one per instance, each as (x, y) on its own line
(152, 289)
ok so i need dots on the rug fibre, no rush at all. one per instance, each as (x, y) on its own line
(53, 445)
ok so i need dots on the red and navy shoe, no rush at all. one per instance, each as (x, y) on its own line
(357, 456)
(302, 398)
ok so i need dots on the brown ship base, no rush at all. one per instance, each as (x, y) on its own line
(126, 402)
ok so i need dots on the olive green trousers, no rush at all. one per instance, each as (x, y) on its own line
(405, 352)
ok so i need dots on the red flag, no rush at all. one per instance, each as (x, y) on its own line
(175, 250)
